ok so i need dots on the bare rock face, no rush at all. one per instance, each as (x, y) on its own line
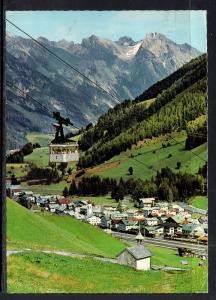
(124, 68)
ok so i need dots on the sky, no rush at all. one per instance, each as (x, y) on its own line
(180, 26)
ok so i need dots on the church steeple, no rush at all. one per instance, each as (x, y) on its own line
(139, 237)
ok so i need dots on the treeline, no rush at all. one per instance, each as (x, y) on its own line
(128, 113)
(36, 173)
(185, 107)
(166, 185)
(196, 132)
(18, 156)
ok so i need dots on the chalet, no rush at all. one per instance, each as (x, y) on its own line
(14, 189)
(126, 225)
(194, 221)
(153, 231)
(137, 257)
(203, 219)
(151, 221)
(177, 208)
(146, 202)
(63, 201)
(79, 203)
(114, 224)
(178, 219)
(52, 207)
(131, 212)
(138, 218)
(105, 222)
(118, 216)
(60, 209)
(93, 220)
(170, 229)
(108, 210)
(97, 211)
(193, 230)
(147, 211)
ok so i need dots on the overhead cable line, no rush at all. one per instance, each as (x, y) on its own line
(24, 96)
(189, 149)
(65, 62)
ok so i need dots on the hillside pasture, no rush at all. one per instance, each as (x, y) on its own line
(42, 139)
(51, 273)
(151, 157)
(199, 202)
(26, 229)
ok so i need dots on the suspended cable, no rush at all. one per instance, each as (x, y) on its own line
(24, 96)
(189, 149)
(64, 62)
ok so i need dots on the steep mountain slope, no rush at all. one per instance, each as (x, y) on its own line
(124, 68)
(127, 124)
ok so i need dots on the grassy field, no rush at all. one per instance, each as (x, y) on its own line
(48, 273)
(45, 189)
(151, 157)
(36, 272)
(147, 103)
(26, 229)
(18, 170)
(41, 138)
(199, 202)
(40, 157)
(100, 200)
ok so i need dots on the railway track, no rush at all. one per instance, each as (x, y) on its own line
(164, 242)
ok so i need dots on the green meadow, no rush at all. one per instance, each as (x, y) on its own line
(199, 202)
(26, 229)
(151, 156)
(50, 273)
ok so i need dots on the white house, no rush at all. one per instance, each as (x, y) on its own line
(93, 220)
(151, 221)
(147, 202)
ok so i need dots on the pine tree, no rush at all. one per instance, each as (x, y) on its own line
(65, 192)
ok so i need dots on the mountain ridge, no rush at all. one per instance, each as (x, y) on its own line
(124, 71)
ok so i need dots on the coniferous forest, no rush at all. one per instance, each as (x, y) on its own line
(172, 110)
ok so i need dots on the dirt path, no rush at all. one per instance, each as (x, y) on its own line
(70, 254)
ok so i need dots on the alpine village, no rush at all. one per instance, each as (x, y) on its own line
(116, 205)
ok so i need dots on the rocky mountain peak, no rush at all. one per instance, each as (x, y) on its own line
(126, 41)
(124, 67)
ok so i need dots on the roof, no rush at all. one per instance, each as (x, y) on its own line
(189, 227)
(147, 200)
(203, 238)
(63, 145)
(136, 218)
(127, 222)
(152, 219)
(131, 211)
(64, 201)
(139, 252)
(152, 228)
(178, 218)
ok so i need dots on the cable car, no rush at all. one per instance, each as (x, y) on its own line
(61, 148)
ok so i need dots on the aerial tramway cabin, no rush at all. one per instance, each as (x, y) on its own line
(63, 152)
(61, 148)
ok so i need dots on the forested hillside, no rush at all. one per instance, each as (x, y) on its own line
(183, 101)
